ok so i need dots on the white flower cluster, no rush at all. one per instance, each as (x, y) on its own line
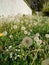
(7, 49)
(4, 33)
(36, 38)
(47, 35)
(10, 36)
(15, 27)
(23, 28)
(25, 32)
(10, 47)
(11, 53)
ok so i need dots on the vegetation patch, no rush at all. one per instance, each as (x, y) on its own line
(24, 40)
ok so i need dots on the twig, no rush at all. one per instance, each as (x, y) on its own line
(35, 57)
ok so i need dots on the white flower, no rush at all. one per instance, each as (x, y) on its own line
(35, 23)
(17, 20)
(15, 27)
(10, 47)
(47, 35)
(45, 62)
(11, 55)
(29, 33)
(22, 22)
(11, 36)
(15, 57)
(39, 42)
(25, 32)
(18, 55)
(27, 42)
(37, 34)
(36, 38)
(7, 50)
(29, 25)
(23, 28)
(16, 49)
(30, 30)
(4, 33)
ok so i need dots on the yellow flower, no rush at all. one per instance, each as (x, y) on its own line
(1, 34)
